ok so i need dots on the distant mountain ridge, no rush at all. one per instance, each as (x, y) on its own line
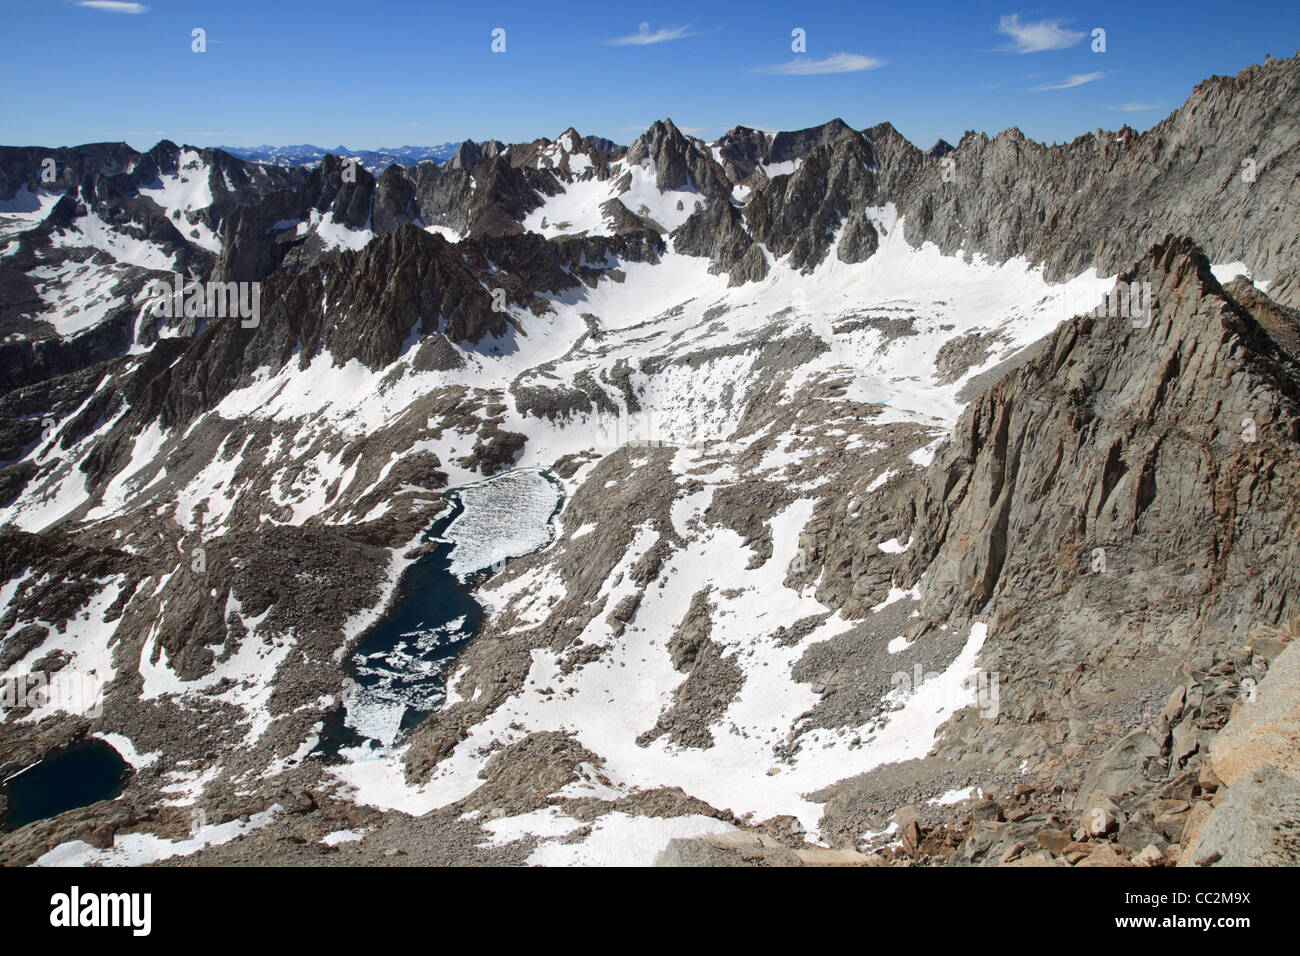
(375, 160)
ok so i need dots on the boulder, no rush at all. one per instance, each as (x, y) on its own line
(1265, 730)
(1257, 823)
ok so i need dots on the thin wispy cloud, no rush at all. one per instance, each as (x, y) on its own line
(1077, 79)
(643, 36)
(113, 6)
(835, 63)
(1035, 36)
(1136, 107)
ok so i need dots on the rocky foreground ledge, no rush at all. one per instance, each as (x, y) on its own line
(1238, 806)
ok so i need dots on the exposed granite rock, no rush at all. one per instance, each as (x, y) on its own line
(1256, 824)
(799, 214)
(679, 162)
(715, 231)
(1102, 199)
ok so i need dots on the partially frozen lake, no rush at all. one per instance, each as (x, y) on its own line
(398, 669)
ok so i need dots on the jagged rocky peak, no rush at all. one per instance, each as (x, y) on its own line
(1091, 203)
(741, 150)
(470, 154)
(800, 212)
(607, 146)
(940, 148)
(570, 156)
(680, 162)
(795, 145)
(377, 297)
(570, 140)
(78, 168)
(394, 201)
(821, 179)
(346, 195)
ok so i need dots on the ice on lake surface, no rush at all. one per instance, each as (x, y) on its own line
(504, 517)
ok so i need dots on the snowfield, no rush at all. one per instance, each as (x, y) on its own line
(708, 340)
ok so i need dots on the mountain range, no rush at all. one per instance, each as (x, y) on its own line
(914, 506)
(375, 160)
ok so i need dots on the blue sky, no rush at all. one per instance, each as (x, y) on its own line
(392, 72)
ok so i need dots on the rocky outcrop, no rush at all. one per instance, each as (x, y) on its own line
(716, 231)
(1266, 726)
(800, 213)
(679, 162)
(742, 150)
(571, 156)
(1138, 418)
(1102, 199)
(1256, 824)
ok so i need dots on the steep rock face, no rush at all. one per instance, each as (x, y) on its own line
(503, 195)
(259, 238)
(716, 231)
(22, 166)
(1123, 502)
(480, 191)
(899, 162)
(859, 240)
(679, 162)
(799, 214)
(394, 201)
(741, 150)
(1224, 169)
(601, 145)
(442, 194)
(789, 145)
(1143, 422)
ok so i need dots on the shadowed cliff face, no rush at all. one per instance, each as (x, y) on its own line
(1170, 446)
(1122, 502)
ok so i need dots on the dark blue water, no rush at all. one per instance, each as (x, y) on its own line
(76, 776)
(400, 665)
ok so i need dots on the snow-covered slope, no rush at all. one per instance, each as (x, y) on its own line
(716, 352)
